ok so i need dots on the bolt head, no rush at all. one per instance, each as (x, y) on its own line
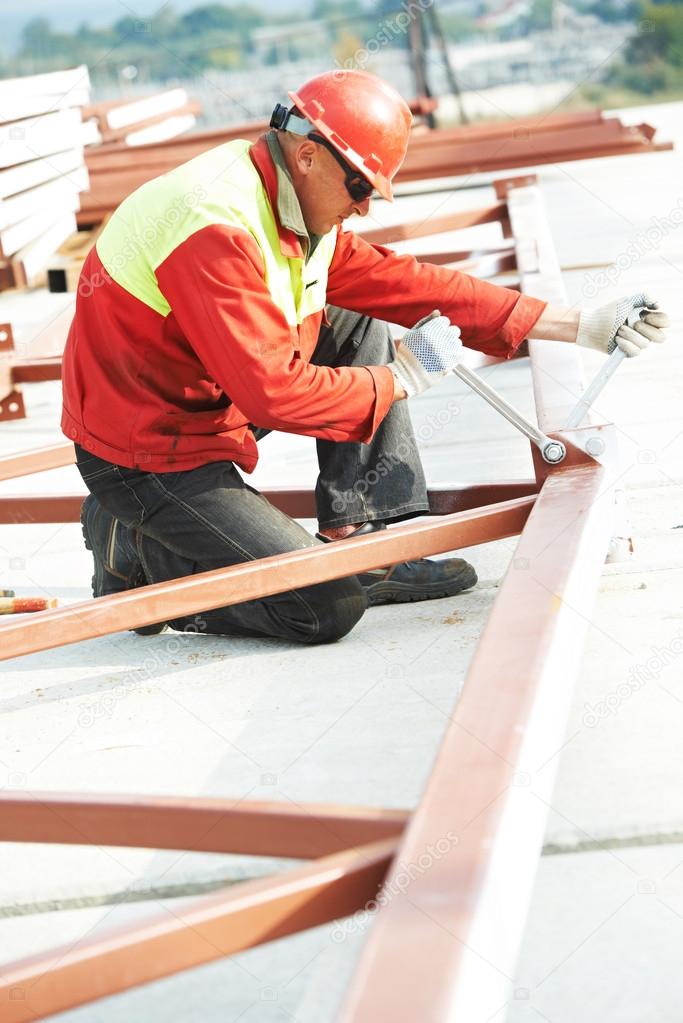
(554, 452)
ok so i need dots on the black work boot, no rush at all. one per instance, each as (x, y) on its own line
(411, 580)
(116, 561)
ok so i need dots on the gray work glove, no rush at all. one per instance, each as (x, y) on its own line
(631, 324)
(427, 353)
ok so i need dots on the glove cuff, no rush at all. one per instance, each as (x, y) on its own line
(410, 372)
(596, 329)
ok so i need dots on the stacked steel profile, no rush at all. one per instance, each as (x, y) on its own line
(525, 142)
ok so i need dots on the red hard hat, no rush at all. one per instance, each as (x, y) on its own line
(364, 118)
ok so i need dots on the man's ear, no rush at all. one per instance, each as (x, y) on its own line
(305, 156)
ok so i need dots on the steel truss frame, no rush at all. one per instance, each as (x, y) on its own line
(42, 361)
(461, 919)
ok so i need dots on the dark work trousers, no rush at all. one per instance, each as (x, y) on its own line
(181, 523)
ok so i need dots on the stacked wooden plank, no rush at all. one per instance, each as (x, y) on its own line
(526, 142)
(64, 268)
(42, 168)
(144, 121)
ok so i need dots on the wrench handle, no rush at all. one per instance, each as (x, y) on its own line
(502, 406)
(606, 371)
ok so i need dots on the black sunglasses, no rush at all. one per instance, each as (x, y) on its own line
(358, 187)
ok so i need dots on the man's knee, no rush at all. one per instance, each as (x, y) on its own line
(342, 606)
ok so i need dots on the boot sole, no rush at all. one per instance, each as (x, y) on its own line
(402, 593)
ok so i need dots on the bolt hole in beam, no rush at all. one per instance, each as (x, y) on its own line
(12, 405)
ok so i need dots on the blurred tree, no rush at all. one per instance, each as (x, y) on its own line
(37, 39)
(127, 28)
(660, 35)
(382, 8)
(610, 10)
(94, 37)
(225, 58)
(40, 43)
(164, 24)
(241, 18)
(653, 59)
(340, 8)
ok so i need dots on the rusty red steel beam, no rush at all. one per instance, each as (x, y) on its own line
(465, 915)
(6, 338)
(443, 166)
(203, 931)
(256, 579)
(109, 155)
(436, 225)
(31, 509)
(25, 463)
(300, 504)
(503, 249)
(252, 828)
(482, 267)
(532, 125)
(434, 156)
(6, 382)
(250, 130)
(440, 165)
(481, 833)
(464, 497)
(33, 371)
(431, 154)
(579, 131)
(107, 158)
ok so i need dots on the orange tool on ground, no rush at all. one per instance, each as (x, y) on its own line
(21, 605)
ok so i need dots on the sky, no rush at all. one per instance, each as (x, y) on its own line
(69, 14)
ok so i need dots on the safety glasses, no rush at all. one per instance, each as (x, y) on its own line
(358, 187)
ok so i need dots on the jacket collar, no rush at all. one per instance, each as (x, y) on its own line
(290, 242)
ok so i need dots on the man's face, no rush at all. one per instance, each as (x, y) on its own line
(319, 182)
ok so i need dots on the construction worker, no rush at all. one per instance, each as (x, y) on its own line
(223, 300)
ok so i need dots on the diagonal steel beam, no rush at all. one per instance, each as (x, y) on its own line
(255, 579)
(219, 925)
